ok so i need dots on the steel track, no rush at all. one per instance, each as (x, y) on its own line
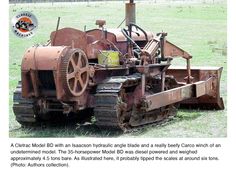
(109, 113)
(24, 109)
(108, 109)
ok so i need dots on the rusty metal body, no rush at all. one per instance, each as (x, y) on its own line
(65, 77)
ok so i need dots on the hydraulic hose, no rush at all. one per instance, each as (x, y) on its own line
(129, 39)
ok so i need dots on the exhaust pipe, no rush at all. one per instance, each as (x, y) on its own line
(130, 13)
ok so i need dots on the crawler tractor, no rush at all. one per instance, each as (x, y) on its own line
(121, 77)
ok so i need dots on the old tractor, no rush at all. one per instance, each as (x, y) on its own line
(122, 77)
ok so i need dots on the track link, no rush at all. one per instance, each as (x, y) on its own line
(24, 109)
(108, 103)
(107, 110)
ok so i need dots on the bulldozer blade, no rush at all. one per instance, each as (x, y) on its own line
(209, 101)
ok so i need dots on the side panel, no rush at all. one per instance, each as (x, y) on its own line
(69, 37)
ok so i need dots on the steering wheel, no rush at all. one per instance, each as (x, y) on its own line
(139, 28)
(125, 32)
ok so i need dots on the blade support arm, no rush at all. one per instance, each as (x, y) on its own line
(178, 94)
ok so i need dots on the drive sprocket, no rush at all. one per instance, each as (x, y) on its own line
(75, 72)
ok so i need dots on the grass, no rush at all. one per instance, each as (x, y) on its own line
(198, 28)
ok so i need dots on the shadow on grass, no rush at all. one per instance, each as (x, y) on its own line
(64, 130)
(72, 129)
(182, 115)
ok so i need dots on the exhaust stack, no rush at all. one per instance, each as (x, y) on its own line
(130, 13)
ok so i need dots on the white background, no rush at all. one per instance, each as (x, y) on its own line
(224, 168)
